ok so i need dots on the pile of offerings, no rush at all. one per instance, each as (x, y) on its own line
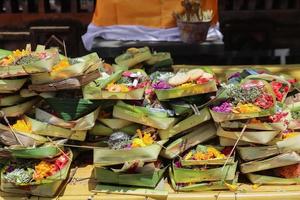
(147, 121)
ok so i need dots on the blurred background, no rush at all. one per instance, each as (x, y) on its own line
(255, 31)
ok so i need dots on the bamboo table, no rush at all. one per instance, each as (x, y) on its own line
(81, 186)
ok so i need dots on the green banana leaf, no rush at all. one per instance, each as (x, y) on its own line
(95, 90)
(160, 59)
(201, 187)
(12, 71)
(45, 151)
(131, 58)
(11, 85)
(255, 126)
(11, 100)
(45, 188)
(20, 109)
(185, 124)
(260, 152)
(71, 108)
(143, 115)
(25, 93)
(101, 129)
(115, 123)
(82, 64)
(231, 142)
(199, 135)
(106, 156)
(45, 129)
(86, 122)
(182, 175)
(143, 179)
(173, 93)
(270, 180)
(281, 160)
(4, 53)
(258, 137)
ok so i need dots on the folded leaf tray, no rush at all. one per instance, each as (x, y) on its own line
(84, 123)
(20, 109)
(45, 129)
(45, 188)
(71, 109)
(106, 157)
(11, 85)
(83, 65)
(186, 124)
(142, 115)
(94, 91)
(133, 56)
(200, 134)
(67, 84)
(270, 180)
(165, 94)
(258, 137)
(144, 179)
(281, 160)
(201, 187)
(41, 152)
(182, 175)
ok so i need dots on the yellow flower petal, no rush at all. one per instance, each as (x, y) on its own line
(137, 142)
(231, 187)
(255, 186)
(22, 126)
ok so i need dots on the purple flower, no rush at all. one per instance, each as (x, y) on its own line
(178, 164)
(225, 107)
(161, 85)
(10, 168)
(235, 75)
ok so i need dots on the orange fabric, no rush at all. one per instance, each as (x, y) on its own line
(152, 13)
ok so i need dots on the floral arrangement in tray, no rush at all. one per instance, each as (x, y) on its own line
(31, 172)
(205, 167)
(278, 121)
(144, 146)
(206, 154)
(169, 85)
(27, 125)
(254, 96)
(23, 57)
(134, 173)
(143, 137)
(129, 84)
(40, 60)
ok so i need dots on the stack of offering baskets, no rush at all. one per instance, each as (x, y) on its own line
(204, 168)
(35, 170)
(144, 125)
(138, 167)
(251, 113)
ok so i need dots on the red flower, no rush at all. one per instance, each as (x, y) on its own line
(127, 73)
(279, 89)
(278, 117)
(226, 151)
(264, 101)
(202, 80)
(61, 161)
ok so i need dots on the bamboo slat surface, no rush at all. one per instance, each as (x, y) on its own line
(81, 186)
